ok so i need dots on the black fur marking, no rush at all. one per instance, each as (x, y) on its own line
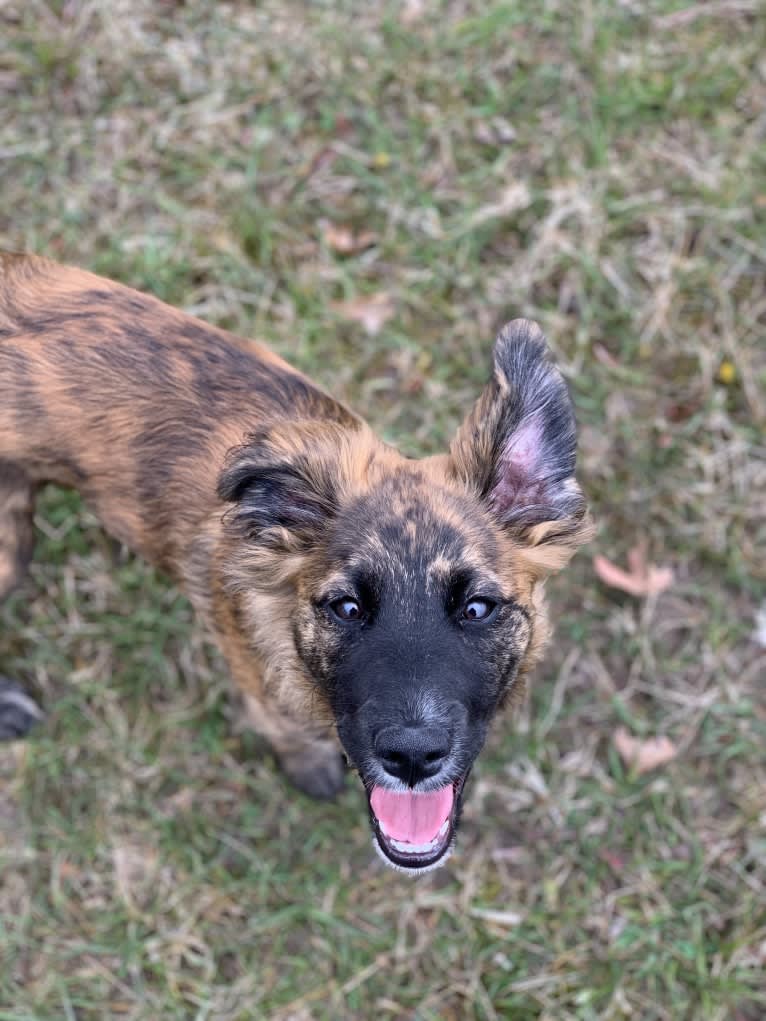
(415, 534)
(277, 497)
(134, 351)
(24, 394)
(273, 494)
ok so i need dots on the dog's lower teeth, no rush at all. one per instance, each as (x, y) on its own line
(411, 848)
(406, 848)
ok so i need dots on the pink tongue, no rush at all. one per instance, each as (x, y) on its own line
(416, 818)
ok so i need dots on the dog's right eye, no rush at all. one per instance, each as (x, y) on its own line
(346, 609)
(478, 609)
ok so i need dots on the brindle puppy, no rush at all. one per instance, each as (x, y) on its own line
(356, 595)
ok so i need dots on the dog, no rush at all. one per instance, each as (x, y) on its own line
(370, 607)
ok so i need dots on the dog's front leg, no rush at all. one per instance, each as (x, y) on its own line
(312, 763)
(309, 757)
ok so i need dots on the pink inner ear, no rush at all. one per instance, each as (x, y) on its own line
(524, 446)
(521, 456)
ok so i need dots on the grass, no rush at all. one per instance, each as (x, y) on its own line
(599, 167)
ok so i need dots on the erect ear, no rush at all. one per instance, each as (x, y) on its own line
(517, 447)
(286, 483)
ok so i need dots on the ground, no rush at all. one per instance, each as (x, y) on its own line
(373, 189)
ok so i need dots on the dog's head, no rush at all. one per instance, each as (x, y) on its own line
(404, 598)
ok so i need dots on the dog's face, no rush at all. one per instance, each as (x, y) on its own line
(415, 632)
(409, 594)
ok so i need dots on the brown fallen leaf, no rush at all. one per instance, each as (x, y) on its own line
(412, 11)
(135, 869)
(641, 578)
(344, 240)
(371, 310)
(613, 859)
(643, 754)
(495, 131)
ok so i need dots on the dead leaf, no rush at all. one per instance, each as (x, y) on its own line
(412, 11)
(343, 239)
(179, 802)
(682, 410)
(605, 356)
(515, 197)
(371, 310)
(614, 860)
(508, 918)
(641, 578)
(643, 755)
(496, 131)
(135, 869)
(618, 408)
(760, 626)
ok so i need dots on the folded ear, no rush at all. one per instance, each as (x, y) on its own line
(286, 485)
(517, 447)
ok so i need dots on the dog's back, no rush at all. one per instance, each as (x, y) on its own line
(118, 394)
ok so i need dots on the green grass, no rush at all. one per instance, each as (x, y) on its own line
(598, 167)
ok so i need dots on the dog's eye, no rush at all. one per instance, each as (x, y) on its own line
(346, 608)
(478, 609)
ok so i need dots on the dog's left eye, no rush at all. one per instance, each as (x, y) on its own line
(478, 609)
(346, 608)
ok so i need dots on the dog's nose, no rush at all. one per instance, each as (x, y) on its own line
(412, 754)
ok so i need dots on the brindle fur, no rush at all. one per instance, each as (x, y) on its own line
(214, 459)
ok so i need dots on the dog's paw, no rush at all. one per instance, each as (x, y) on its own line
(18, 712)
(319, 772)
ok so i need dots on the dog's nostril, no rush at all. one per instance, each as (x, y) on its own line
(397, 759)
(412, 754)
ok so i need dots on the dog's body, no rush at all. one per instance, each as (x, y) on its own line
(354, 593)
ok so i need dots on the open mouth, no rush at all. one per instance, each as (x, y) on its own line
(414, 829)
